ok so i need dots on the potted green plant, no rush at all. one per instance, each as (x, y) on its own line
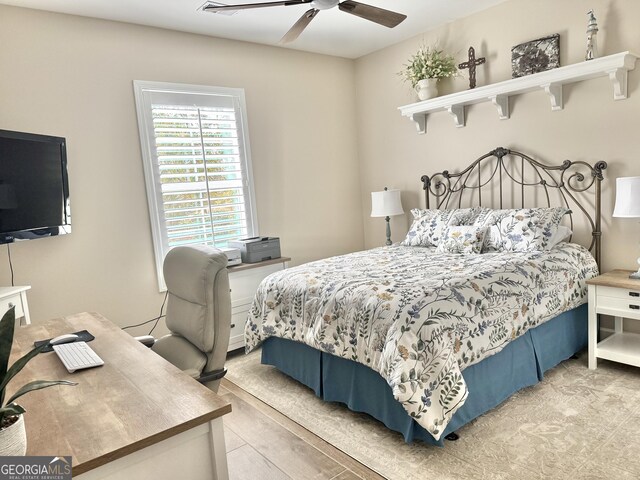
(425, 68)
(13, 438)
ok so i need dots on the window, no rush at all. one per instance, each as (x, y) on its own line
(197, 166)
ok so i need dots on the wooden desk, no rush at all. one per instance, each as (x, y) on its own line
(136, 417)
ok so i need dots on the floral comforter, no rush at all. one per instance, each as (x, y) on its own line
(417, 317)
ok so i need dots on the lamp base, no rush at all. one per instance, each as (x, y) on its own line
(388, 231)
(636, 275)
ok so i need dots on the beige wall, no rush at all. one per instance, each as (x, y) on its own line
(72, 77)
(591, 127)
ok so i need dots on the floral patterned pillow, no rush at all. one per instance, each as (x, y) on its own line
(420, 219)
(464, 239)
(429, 225)
(488, 216)
(523, 230)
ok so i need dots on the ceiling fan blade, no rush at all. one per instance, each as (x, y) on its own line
(374, 14)
(247, 6)
(295, 31)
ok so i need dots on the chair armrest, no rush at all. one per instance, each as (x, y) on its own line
(212, 376)
(146, 340)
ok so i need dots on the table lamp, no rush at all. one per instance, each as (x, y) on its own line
(386, 204)
(628, 203)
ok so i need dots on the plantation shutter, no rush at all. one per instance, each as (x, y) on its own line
(201, 176)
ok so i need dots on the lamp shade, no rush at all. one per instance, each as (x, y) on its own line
(627, 197)
(386, 203)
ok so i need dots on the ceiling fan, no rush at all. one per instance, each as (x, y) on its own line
(368, 12)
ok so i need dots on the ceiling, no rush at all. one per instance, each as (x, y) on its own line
(332, 32)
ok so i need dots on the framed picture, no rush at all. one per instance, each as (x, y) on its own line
(535, 56)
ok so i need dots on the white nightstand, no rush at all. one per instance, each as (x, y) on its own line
(244, 280)
(10, 296)
(615, 294)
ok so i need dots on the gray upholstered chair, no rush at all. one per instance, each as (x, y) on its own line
(198, 313)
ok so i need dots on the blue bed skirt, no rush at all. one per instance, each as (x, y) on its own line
(520, 364)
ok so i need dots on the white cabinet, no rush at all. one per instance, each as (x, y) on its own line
(615, 294)
(244, 280)
(15, 296)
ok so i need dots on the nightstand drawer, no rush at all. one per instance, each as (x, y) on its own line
(619, 293)
(244, 284)
(8, 302)
(624, 305)
(238, 321)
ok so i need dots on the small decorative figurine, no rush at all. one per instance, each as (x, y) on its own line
(471, 65)
(592, 37)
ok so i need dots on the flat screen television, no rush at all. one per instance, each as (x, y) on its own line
(34, 187)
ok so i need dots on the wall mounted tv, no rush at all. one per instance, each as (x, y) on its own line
(34, 187)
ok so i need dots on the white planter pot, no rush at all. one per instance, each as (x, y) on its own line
(427, 88)
(13, 439)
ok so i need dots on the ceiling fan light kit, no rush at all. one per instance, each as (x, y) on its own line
(377, 15)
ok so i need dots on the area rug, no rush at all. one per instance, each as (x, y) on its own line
(575, 424)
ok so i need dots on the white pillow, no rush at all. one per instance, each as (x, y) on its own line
(562, 234)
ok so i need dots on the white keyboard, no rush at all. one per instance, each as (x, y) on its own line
(77, 355)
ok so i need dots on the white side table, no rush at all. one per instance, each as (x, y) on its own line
(615, 294)
(244, 280)
(15, 296)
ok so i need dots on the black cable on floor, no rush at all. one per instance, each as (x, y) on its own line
(10, 263)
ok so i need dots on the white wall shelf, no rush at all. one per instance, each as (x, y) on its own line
(616, 67)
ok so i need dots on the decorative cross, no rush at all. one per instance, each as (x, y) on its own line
(471, 65)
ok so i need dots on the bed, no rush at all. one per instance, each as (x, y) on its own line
(423, 338)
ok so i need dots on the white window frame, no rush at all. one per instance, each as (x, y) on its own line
(143, 91)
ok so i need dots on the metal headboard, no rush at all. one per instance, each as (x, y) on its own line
(570, 180)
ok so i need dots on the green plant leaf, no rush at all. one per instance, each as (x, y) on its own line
(7, 325)
(11, 410)
(17, 366)
(37, 385)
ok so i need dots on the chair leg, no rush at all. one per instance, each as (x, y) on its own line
(452, 437)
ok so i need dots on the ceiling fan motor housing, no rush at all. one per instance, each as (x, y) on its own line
(324, 4)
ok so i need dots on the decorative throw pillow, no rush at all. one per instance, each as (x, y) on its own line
(523, 230)
(464, 239)
(429, 225)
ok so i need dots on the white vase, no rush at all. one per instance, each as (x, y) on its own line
(427, 88)
(13, 439)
